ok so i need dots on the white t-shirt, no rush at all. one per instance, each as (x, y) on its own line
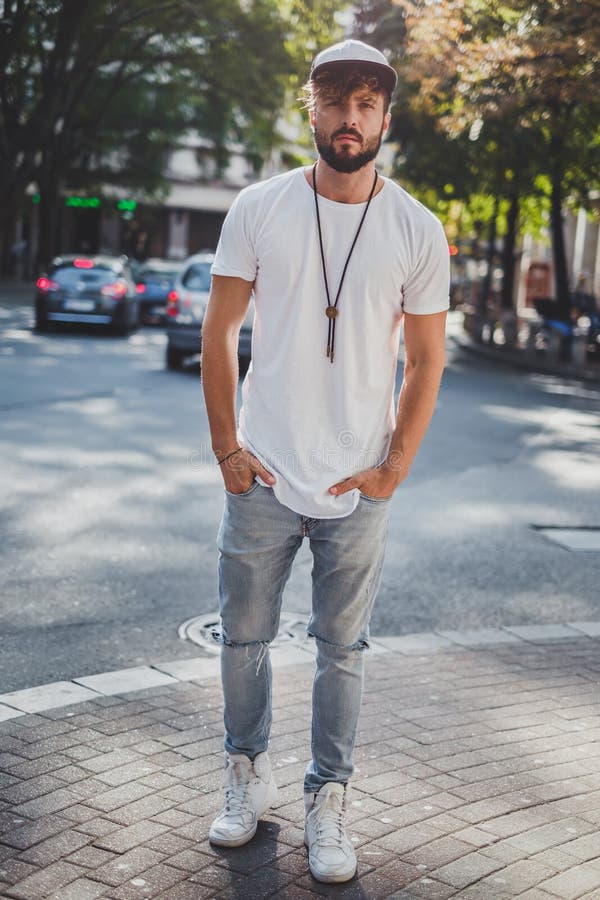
(312, 422)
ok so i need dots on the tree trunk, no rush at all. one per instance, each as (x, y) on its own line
(49, 221)
(6, 239)
(558, 238)
(9, 213)
(486, 282)
(508, 252)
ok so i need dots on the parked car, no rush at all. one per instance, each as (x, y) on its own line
(94, 290)
(186, 307)
(155, 280)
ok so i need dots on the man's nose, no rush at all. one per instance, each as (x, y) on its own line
(350, 117)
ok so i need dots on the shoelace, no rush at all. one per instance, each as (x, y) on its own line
(329, 825)
(236, 794)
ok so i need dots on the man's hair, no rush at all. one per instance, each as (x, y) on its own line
(340, 84)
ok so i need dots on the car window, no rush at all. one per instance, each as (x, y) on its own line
(66, 276)
(197, 277)
(156, 274)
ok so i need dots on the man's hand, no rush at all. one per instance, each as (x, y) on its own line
(240, 470)
(379, 482)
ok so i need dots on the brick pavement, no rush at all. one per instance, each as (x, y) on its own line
(477, 776)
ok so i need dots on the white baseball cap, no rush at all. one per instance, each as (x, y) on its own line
(357, 55)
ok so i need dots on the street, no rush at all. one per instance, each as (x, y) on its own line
(111, 501)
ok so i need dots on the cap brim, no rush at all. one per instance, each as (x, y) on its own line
(387, 76)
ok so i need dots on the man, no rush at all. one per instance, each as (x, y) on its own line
(336, 256)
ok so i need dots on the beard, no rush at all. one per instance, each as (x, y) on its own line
(344, 160)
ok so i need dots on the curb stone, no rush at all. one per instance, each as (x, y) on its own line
(122, 681)
(476, 777)
(518, 359)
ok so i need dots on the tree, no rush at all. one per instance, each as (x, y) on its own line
(95, 91)
(499, 99)
(527, 72)
(54, 58)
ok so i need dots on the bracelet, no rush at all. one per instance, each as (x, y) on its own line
(229, 455)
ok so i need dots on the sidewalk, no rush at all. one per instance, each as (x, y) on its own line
(478, 776)
(521, 360)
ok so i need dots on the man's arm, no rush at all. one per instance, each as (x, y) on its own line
(424, 341)
(227, 306)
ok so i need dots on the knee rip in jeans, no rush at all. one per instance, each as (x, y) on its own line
(263, 646)
(361, 644)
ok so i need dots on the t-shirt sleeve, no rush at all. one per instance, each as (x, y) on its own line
(235, 255)
(427, 288)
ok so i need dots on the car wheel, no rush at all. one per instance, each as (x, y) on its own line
(41, 324)
(137, 318)
(120, 324)
(174, 358)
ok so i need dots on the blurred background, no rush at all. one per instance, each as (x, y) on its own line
(128, 127)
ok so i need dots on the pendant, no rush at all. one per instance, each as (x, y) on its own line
(331, 312)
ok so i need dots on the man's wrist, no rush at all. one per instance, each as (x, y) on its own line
(226, 456)
(226, 445)
(396, 466)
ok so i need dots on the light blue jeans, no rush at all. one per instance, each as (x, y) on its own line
(258, 540)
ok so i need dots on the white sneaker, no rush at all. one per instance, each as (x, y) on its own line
(331, 856)
(250, 790)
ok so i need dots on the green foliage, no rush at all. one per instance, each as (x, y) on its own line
(498, 101)
(310, 26)
(101, 89)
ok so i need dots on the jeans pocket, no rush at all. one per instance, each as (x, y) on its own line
(247, 493)
(374, 499)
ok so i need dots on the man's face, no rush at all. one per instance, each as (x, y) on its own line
(348, 130)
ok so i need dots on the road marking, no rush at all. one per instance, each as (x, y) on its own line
(579, 539)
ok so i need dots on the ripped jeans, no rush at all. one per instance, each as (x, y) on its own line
(258, 540)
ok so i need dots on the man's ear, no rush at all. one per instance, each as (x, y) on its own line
(311, 119)
(386, 122)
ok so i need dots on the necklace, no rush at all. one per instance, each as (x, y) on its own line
(332, 308)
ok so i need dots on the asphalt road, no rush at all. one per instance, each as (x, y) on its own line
(110, 503)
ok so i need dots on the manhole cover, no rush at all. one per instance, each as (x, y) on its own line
(582, 539)
(206, 630)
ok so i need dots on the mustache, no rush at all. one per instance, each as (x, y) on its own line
(350, 131)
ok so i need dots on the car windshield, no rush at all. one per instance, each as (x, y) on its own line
(197, 277)
(67, 276)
